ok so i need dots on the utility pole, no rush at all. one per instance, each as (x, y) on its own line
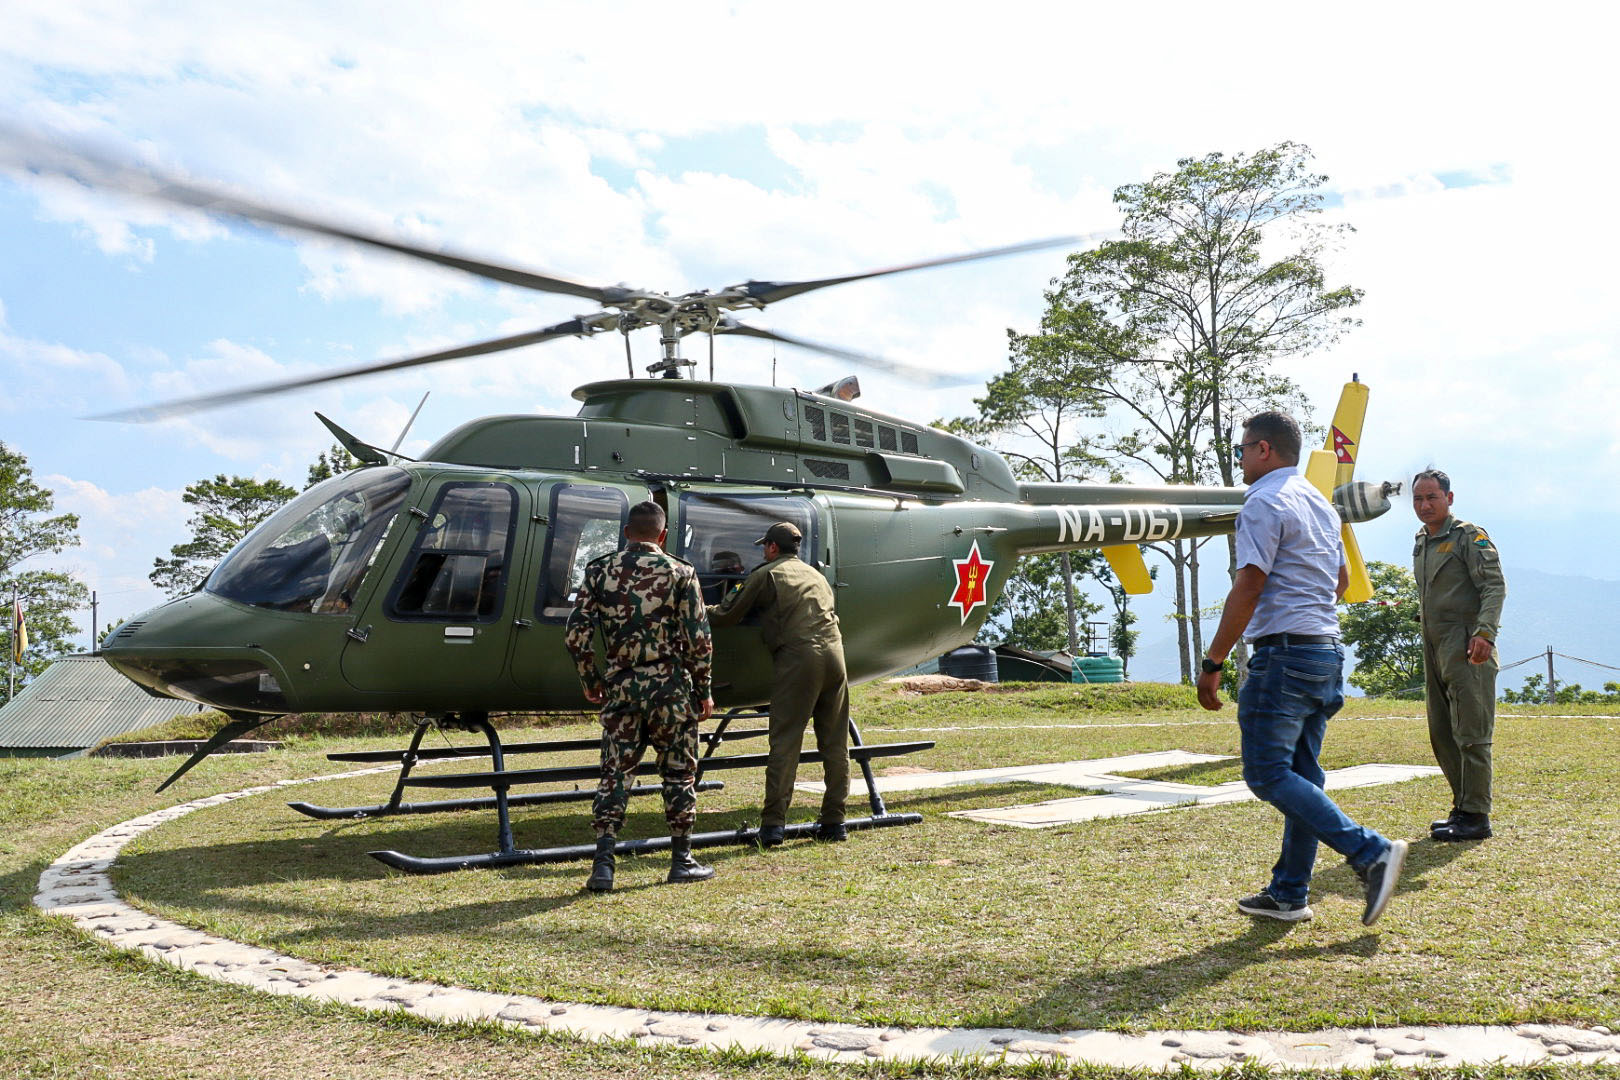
(94, 644)
(1552, 679)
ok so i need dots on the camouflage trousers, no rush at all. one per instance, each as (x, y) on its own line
(628, 728)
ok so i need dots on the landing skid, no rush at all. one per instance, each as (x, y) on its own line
(500, 780)
(412, 864)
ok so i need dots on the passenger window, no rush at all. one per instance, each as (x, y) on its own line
(457, 566)
(718, 534)
(586, 522)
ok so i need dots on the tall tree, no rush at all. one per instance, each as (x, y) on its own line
(1385, 633)
(227, 508)
(29, 529)
(1173, 329)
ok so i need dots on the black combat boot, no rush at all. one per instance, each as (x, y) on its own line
(682, 867)
(1466, 827)
(601, 879)
(1446, 822)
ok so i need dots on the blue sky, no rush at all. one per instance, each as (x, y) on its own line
(748, 141)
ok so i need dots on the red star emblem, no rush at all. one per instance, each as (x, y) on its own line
(972, 577)
(1341, 448)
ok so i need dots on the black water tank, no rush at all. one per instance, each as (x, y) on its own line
(970, 662)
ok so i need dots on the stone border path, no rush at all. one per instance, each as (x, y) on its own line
(76, 886)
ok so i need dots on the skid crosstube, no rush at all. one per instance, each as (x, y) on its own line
(486, 802)
(412, 864)
(512, 777)
(496, 751)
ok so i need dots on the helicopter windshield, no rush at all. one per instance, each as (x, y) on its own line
(310, 555)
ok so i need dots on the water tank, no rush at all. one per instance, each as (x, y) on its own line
(970, 662)
(1098, 669)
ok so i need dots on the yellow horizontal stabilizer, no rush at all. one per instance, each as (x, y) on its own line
(1129, 567)
(1319, 472)
(1360, 588)
(1344, 437)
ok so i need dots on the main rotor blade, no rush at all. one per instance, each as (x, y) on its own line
(147, 413)
(24, 152)
(768, 292)
(924, 376)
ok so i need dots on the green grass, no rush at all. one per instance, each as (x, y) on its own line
(1125, 923)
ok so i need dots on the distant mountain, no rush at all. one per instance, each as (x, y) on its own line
(1576, 616)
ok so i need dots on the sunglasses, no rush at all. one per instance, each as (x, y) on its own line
(1237, 451)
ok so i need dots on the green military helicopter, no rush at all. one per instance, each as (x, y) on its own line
(441, 585)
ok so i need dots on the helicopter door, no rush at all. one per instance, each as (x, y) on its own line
(583, 521)
(717, 534)
(439, 626)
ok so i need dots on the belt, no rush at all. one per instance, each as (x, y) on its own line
(1285, 640)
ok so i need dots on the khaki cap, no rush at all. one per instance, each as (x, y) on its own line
(783, 534)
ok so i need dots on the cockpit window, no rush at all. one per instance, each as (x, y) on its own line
(311, 555)
(457, 565)
(586, 522)
(718, 534)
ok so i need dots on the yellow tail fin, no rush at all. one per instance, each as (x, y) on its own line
(1334, 466)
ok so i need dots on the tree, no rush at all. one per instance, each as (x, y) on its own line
(331, 462)
(1033, 610)
(1385, 634)
(1171, 331)
(228, 507)
(1534, 692)
(29, 529)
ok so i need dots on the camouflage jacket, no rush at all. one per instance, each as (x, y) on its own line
(649, 609)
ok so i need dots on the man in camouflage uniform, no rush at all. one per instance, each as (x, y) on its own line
(647, 605)
(1460, 588)
(800, 628)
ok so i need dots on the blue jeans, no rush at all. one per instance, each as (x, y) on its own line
(1283, 710)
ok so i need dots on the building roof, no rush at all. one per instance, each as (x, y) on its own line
(79, 701)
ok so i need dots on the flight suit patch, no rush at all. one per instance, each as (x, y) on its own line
(1444, 548)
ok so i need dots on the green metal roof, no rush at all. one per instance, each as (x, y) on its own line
(79, 701)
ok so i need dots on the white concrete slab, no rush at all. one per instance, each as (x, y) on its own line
(1127, 796)
(1080, 774)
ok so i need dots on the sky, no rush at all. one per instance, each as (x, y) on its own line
(707, 144)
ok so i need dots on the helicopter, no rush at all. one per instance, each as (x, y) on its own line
(441, 585)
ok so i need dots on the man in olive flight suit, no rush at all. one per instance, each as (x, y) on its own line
(1460, 588)
(800, 628)
(649, 609)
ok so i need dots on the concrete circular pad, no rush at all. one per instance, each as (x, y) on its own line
(76, 886)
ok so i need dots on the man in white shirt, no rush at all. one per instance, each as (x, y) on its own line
(1290, 574)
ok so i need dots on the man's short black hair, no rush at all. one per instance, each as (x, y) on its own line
(1432, 474)
(1278, 429)
(646, 521)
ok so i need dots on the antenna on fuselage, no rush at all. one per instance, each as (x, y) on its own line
(402, 432)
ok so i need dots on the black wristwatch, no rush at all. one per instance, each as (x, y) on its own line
(1210, 667)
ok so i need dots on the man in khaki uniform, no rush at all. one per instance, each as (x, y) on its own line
(800, 628)
(1460, 587)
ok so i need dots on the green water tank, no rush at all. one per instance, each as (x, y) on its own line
(1098, 669)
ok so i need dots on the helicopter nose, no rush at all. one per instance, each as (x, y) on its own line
(180, 650)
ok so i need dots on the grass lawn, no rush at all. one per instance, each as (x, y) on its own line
(1126, 923)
